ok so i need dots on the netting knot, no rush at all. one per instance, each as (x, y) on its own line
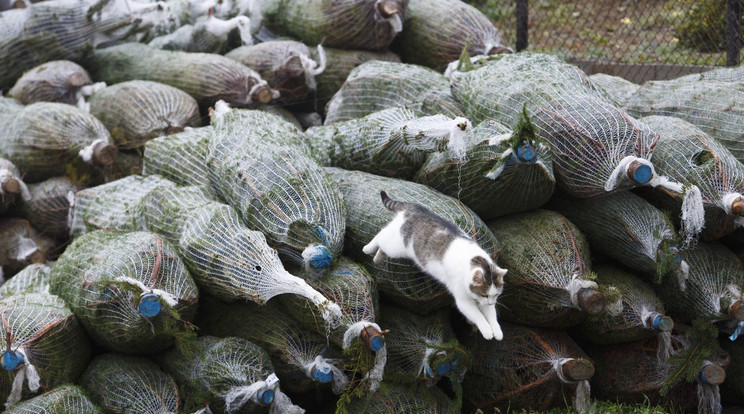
(26, 371)
(575, 285)
(317, 256)
(324, 371)
(149, 305)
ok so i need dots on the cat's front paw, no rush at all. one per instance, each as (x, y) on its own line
(369, 248)
(497, 334)
(487, 333)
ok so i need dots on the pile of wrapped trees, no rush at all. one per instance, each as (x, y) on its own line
(186, 188)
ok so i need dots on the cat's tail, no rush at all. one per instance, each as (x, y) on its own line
(391, 204)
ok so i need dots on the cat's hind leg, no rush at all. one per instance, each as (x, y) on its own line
(380, 256)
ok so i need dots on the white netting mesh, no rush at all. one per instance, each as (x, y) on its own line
(588, 135)
(549, 269)
(221, 369)
(42, 138)
(436, 32)
(64, 399)
(181, 158)
(713, 106)
(688, 155)
(619, 89)
(400, 279)
(297, 352)
(626, 228)
(530, 370)
(501, 173)
(714, 284)
(118, 284)
(34, 278)
(393, 142)
(113, 206)
(120, 383)
(205, 76)
(422, 348)
(356, 24)
(377, 85)
(137, 111)
(54, 81)
(42, 341)
(259, 165)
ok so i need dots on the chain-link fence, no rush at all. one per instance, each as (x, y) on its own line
(636, 39)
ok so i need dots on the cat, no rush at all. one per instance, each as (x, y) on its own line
(445, 252)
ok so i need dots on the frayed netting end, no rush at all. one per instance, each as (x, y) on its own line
(87, 152)
(709, 398)
(324, 371)
(693, 214)
(317, 257)
(283, 405)
(575, 285)
(221, 108)
(27, 371)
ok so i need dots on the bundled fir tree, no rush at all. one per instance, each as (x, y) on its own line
(549, 282)
(131, 291)
(34, 278)
(61, 400)
(227, 374)
(60, 81)
(44, 345)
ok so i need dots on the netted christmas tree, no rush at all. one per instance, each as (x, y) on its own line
(400, 279)
(713, 288)
(302, 358)
(502, 172)
(207, 35)
(626, 228)
(345, 24)
(228, 374)
(597, 147)
(393, 142)
(350, 286)
(377, 85)
(394, 399)
(714, 107)
(12, 187)
(132, 385)
(422, 349)
(687, 382)
(635, 315)
(435, 32)
(136, 111)
(61, 400)
(44, 345)
(549, 281)
(287, 65)
(531, 369)
(259, 165)
(21, 245)
(42, 138)
(48, 205)
(44, 32)
(181, 157)
(721, 74)
(619, 89)
(225, 258)
(34, 278)
(339, 63)
(54, 81)
(688, 155)
(205, 76)
(131, 291)
(114, 206)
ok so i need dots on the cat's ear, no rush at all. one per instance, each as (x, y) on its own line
(497, 271)
(478, 276)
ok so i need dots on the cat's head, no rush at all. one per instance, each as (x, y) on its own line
(486, 280)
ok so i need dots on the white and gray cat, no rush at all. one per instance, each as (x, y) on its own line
(445, 252)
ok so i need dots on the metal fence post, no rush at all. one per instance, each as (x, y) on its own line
(733, 31)
(522, 20)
